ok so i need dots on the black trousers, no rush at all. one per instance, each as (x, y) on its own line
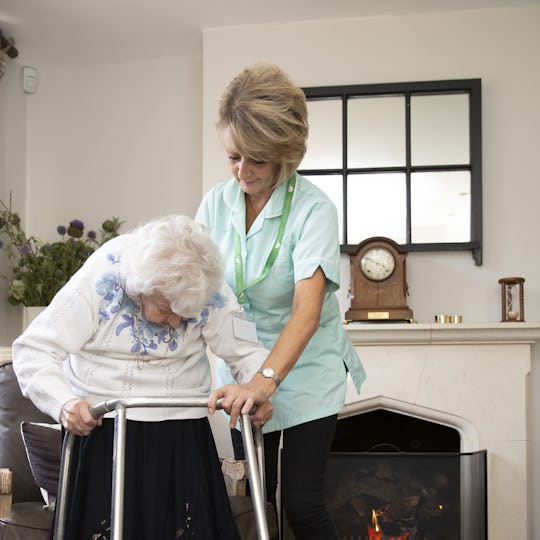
(303, 466)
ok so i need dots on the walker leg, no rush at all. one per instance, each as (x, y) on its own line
(61, 497)
(119, 470)
(256, 474)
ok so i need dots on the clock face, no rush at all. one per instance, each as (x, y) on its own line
(377, 264)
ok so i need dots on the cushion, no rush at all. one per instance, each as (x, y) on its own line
(43, 444)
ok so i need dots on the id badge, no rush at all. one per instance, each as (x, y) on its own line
(243, 328)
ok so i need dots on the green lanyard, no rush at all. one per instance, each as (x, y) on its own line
(238, 264)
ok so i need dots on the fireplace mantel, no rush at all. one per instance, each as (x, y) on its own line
(472, 377)
(426, 334)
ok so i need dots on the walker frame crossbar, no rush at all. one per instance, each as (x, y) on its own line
(253, 446)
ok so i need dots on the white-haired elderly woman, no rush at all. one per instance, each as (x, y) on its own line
(135, 321)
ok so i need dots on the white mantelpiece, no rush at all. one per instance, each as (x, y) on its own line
(473, 378)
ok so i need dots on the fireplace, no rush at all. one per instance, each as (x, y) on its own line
(393, 476)
(407, 496)
(471, 379)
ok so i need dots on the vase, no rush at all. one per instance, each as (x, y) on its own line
(30, 313)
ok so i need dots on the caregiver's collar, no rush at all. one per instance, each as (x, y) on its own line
(234, 198)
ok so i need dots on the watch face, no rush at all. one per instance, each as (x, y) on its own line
(377, 264)
(271, 374)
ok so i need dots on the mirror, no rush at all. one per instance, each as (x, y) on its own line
(401, 160)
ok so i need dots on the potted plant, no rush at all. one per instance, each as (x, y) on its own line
(38, 270)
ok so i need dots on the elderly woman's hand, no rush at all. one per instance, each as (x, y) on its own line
(75, 416)
(237, 399)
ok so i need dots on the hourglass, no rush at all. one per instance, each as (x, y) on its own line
(512, 299)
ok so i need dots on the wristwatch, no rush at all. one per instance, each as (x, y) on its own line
(269, 373)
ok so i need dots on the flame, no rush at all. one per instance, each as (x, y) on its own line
(374, 532)
(374, 520)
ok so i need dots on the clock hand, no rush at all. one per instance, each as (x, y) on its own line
(376, 262)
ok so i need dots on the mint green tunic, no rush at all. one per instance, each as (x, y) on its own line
(315, 387)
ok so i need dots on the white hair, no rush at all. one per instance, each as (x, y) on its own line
(175, 257)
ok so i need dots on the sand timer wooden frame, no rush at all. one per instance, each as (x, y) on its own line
(512, 299)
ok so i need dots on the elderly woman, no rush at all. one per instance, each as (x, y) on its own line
(278, 234)
(135, 321)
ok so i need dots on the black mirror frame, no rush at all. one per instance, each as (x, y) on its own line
(470, 86)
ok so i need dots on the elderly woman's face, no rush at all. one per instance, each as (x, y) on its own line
(157, 310)
(254, 177)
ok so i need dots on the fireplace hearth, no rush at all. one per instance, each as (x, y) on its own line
(471, 378)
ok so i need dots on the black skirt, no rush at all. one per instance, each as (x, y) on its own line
(174, 488)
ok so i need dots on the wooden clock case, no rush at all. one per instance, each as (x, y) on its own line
(384, 300)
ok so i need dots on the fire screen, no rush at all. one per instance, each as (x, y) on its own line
(408, 496)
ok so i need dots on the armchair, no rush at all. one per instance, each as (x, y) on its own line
(28, 519)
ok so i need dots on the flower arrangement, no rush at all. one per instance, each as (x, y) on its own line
(38, 270)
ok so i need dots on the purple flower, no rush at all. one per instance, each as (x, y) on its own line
(77, 223)
(92, 235)
(25, 249)
(75, 229)
(61, 230)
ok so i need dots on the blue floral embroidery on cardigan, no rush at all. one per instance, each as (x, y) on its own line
(218, 301)
(110, 288)
(146, 336)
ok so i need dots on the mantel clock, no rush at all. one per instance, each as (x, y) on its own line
(378, 282)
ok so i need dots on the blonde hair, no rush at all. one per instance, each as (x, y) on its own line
(265, 114)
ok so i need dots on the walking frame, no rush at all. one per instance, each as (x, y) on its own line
(252, 444)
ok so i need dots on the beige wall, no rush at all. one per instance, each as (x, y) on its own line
(119, 139)
(13, 137)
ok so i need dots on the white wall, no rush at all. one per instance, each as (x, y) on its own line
(501, 47)
(118, 139)
(13, 136)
